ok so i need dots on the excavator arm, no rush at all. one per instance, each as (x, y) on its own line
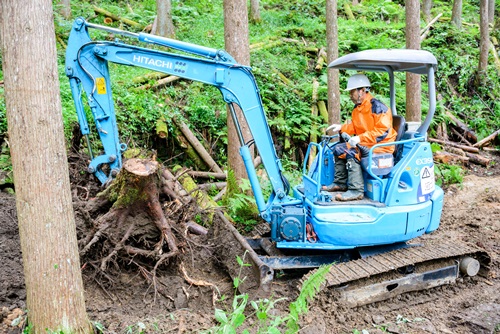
(87, 68)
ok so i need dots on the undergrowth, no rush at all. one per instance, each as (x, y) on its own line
(260, 316)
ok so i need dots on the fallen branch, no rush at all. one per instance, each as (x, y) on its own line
(425, 31)
(198, 146)
(214, 185)
(321, 59)
(495, 57)
(468, 133)
(486, 140)
(463, 147)
(208, 175)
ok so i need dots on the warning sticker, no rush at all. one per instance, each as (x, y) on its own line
(101, 85)
(427, 181)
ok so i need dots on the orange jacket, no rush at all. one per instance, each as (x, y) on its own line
(372, 122)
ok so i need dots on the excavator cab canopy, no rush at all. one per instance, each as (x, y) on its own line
(395, 60)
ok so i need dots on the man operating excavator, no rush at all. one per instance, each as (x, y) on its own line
(371, 124)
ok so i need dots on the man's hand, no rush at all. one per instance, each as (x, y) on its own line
(354, 141)
(334, 128)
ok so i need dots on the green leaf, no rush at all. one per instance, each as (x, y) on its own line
(220, 316)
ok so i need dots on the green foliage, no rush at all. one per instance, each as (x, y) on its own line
(262, 309)
(7, 176)
(448, 174)
(239, 204)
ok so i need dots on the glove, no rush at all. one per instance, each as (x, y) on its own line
(333, 128)
(354, 141)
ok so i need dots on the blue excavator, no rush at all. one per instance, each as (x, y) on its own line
(364, 238)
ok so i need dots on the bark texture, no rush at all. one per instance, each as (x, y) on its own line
(164, 23)
(413, 91)
(332, 37)
(456, 13)
(484, 42)
(237, 44)
(54, 287)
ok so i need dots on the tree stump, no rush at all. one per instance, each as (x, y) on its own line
(135, 192)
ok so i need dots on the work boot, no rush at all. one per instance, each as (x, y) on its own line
(340, 176)
(355, 182)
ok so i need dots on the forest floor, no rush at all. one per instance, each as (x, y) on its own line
(126, 302)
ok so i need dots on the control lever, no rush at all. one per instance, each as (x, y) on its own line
(363, 150)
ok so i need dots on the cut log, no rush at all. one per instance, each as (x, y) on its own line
(463, 147)
(448, 158)
(161, 128)
(477, 159)
(117, 18)
(486, 140)
(149, 76)
(160, 83)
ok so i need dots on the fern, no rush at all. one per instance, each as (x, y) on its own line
(309, 290)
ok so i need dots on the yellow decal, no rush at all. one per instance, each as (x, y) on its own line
(101, 85)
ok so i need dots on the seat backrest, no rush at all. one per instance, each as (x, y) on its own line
(400, 126)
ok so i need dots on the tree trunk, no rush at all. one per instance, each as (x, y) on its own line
(413, 110)
(484, 42)
(237, 44)
(332, 52)
(255, 11)
(66, 9)
(164, 24)
(456, 14)
(427, 6)
(491, 11)
(54, 286)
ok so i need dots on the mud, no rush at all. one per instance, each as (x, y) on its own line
(129, 303)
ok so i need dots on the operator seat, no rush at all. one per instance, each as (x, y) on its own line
(400, 126)
(382, 163)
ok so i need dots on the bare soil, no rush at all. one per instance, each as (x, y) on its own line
(127, 302)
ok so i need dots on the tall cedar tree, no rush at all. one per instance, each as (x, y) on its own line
(456, 13)
(164, 23)
(237, 44)
(332, 37)
(54, 286)
(413, 94)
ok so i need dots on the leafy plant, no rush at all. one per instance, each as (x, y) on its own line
(448, 174)
(230, 321)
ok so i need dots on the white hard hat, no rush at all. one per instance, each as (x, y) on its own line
(357, 81)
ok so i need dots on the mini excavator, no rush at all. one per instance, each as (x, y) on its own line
(364, 238)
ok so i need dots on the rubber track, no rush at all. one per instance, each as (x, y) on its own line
(346, 272)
